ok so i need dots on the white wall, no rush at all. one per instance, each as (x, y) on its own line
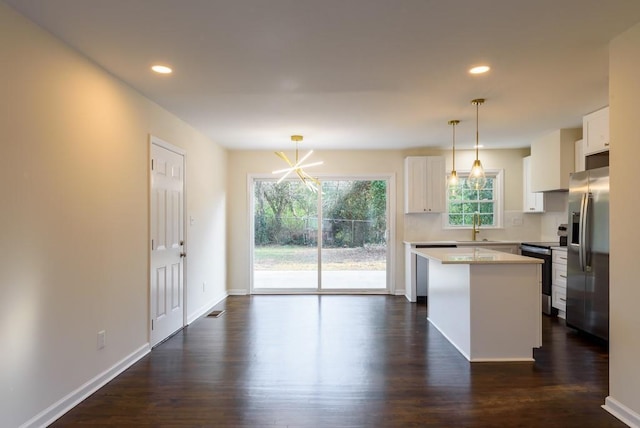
(74, 179)
(242, 163)
(624, 324)
(408, 227)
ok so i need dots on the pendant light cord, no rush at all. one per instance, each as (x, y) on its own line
(477, 132)
(453, 123)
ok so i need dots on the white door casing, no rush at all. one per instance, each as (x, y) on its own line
(167, 241)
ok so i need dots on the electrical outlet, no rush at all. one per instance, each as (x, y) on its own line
(102, 339)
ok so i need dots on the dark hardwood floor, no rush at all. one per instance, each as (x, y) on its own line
(346, 361)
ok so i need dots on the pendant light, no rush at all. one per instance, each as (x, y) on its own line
(477, 178)
(297, 167)
(453, 178)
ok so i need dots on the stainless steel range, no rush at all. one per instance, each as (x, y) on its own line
(542, 250)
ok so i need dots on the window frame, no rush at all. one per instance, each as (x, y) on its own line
(498, 196)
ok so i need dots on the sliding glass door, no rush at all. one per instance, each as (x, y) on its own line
(285, 250)
(354, 247)
(334, 240)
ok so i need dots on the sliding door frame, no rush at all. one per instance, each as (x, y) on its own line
(391, 235)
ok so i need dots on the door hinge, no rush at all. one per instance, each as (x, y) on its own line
(152, 245)
(152, 164)
(151, 324)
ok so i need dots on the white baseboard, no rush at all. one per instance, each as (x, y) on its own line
(56, 410)
(238, 292)
(205, 309)
(622, 412)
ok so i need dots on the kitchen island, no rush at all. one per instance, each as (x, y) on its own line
(486, 303)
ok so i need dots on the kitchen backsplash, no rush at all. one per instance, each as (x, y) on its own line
(517, 226)
(555, 205)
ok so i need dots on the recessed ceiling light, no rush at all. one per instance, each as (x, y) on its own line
(479, 69)
(162, 69)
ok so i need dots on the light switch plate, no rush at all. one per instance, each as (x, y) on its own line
(102, 339)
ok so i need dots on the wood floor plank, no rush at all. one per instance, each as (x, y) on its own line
(346, 361)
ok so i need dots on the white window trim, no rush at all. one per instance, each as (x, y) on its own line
(498, 192)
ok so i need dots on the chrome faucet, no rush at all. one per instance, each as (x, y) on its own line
(476, 224)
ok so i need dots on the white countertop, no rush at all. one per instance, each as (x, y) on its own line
(473, 256)
(463, 243)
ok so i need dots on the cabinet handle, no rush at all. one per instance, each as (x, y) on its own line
(563, 300)
(563, 258)
(531, 209)
(606, 144)
(563, 276)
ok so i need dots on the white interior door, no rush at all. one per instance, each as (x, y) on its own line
(167, 242)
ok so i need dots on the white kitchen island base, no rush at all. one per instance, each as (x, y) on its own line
(488, 307)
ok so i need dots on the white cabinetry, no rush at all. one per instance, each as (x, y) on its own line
(424, 184)
(559, 281)
(595, 127)
(532, 202)
(552, 160)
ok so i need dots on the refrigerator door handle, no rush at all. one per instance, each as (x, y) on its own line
(586, 247)
(581, 234)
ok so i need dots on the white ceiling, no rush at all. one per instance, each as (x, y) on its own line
(353, 74)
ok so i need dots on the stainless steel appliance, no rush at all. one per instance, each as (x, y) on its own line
(588, 252)
(562, 233)
(422, 271)
(542, 250)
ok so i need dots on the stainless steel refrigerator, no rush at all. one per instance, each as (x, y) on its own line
(588, 253)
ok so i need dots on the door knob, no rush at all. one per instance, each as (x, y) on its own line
(183, 254)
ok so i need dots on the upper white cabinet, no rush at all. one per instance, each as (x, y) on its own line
(595, 127)
(532, 202)
(552, 160)
(424, 184)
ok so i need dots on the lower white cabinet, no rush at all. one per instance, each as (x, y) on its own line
(559, 281)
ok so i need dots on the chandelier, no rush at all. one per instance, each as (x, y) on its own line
(297, 167)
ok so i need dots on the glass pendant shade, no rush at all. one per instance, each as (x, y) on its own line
(453, 178)
(477, 178)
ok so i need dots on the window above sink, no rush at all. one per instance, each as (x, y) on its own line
(463, 202)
